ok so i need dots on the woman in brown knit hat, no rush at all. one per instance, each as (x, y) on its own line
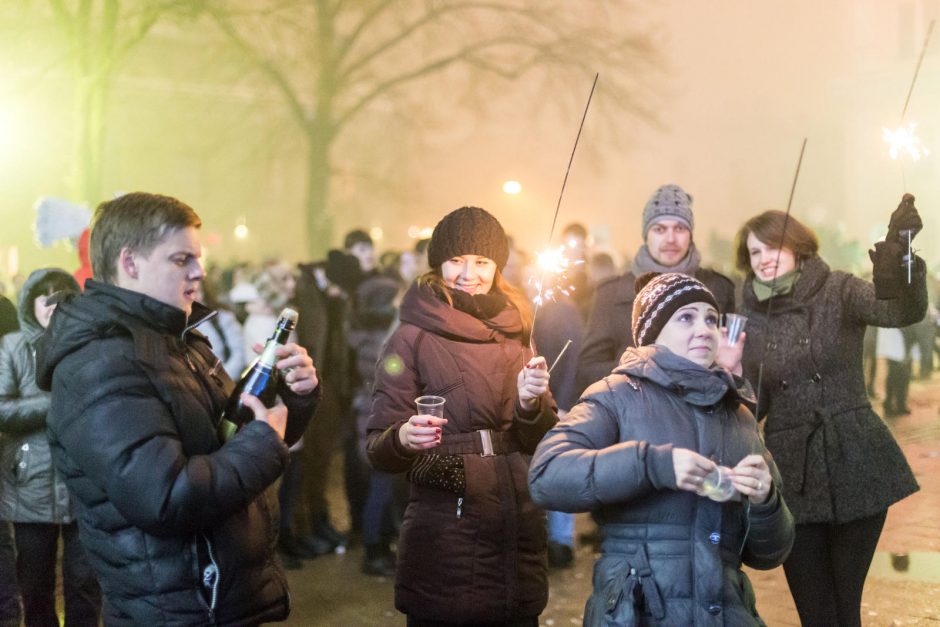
(472, 548)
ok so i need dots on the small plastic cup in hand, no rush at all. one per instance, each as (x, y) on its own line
(735, 324)
(717, 484)
(430, 406)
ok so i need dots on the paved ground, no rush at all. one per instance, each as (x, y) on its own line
(331, 591)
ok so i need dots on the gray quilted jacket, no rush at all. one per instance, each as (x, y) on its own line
(31, 491)
(669, 556)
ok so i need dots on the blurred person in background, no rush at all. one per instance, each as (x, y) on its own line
(472, 544)
(223, 331)
(841, 466)
(559, 321)
(369, 323)
(575, 239)
(894, 347)
(925, 333)
(668, 246)
(8, 317)
(10, 611)
(275, 285)
(32, 494)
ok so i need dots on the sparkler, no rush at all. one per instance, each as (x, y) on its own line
(903, 140)
(557, 359)
(539, 298)
(554, 264)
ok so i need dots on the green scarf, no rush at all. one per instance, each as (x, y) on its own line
(782, 285)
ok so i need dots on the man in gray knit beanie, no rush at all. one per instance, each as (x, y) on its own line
(667, 247)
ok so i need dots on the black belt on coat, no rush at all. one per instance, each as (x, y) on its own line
(485, 442)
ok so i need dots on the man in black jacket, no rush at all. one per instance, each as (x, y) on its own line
(667, 247)
(179, 525)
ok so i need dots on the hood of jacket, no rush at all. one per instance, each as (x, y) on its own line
(28, 294)
(695, 384)
(426, 310)
(102, 311)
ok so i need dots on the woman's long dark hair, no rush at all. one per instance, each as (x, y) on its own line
(433, 280)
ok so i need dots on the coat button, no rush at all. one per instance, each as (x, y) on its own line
(25, 447)
(714, 537)
(714, 609)
(784, 384)
(817, 378)
(22, 464)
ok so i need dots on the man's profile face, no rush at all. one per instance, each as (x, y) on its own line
(171, 273)
(668, 241)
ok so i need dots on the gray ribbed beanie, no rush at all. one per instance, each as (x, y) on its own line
(669, 202)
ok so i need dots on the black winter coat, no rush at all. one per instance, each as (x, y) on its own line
(838, 459)
(136, 398)
(608, 332)
(669, 556)
(483, 560)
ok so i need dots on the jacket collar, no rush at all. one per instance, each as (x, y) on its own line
(425, 309)
(695, 384)
(813, 274)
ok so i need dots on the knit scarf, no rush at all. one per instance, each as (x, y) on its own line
(782, 285)
(644, 262)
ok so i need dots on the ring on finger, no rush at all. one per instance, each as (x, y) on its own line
(760, 485)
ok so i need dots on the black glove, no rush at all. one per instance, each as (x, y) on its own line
(888, 274)
(904, 218)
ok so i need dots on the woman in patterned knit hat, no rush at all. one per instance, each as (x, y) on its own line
(636, 451)
(472, 548)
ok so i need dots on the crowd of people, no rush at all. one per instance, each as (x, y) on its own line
(622, 396)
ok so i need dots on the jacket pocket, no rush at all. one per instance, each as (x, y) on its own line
(629, 595)
(789, 447)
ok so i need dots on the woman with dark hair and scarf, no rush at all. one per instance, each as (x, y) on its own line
(841, 466)
(472, 548)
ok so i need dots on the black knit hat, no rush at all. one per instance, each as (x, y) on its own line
(658, 296)
(468, 231)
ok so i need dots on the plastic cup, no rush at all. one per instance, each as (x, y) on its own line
(735, 324)
(717, 484)
(430, 406)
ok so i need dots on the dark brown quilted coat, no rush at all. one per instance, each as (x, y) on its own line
(487, 564)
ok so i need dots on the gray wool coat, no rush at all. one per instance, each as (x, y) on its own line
(838, 459)
(669, 556)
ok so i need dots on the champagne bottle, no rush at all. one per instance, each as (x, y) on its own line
(260, 379)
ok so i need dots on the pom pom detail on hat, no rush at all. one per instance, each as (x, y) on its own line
(668, 202)
(468, 231)
(658, 297)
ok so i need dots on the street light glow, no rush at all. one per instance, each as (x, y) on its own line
(512, 187)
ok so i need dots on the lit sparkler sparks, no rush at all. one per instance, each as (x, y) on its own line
(554, 266)
(904, 142)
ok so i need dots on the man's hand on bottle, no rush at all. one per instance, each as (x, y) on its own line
(276, 416)
(297, 366)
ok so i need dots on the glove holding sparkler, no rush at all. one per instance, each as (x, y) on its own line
(893, 259)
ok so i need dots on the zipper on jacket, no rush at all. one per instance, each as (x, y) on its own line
(459, 507)
(210, 579)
